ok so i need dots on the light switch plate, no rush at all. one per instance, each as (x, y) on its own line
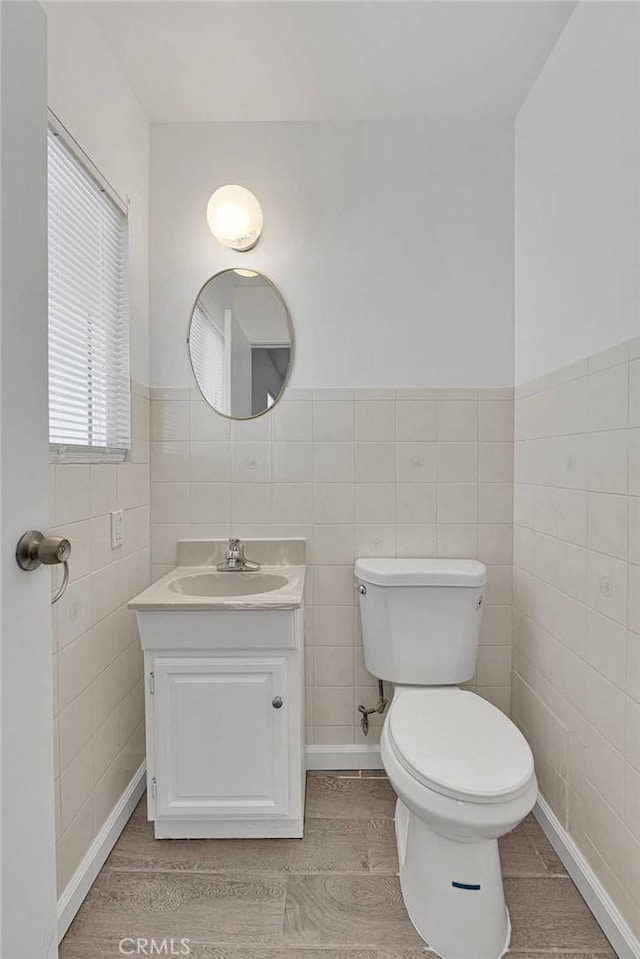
(117, 528)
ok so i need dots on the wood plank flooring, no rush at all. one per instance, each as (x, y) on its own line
(332, 895)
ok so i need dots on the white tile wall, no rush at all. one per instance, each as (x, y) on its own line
(97, 662)
(576, 670)
(417, 472)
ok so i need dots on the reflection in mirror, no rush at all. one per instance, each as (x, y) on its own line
(240, 343)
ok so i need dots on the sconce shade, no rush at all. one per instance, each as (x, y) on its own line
(235, 217)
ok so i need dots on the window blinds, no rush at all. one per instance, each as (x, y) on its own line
(207, 349)
(89, 389)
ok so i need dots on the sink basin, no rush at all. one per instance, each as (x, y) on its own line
(197, 585)
(227, 584)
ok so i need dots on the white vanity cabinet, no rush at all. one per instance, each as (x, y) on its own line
(225, 722)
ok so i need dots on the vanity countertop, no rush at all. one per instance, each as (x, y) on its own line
(195, 583)
(163, 596)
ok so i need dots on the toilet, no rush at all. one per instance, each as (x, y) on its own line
(462, 771)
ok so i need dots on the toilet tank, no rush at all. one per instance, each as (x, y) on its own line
(421, 618)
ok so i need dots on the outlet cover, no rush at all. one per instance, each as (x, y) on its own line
(117, 528)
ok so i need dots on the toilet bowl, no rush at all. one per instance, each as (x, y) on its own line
(464, 777)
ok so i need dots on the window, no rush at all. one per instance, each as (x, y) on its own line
(89, 389)
(208, 355)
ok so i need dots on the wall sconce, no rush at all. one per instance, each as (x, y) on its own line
(235, 217)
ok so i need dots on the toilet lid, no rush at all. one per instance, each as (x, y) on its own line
(459, 745)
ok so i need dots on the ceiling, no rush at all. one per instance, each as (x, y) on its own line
(347, 59)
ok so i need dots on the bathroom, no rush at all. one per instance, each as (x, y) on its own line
(444, 213)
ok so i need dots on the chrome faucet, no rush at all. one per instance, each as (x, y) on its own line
(234, 559)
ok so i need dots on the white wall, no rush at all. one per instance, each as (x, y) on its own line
(89, 94)
(259, 312)
(391, 242)
(240, 349)
(577, 194)
(97, 661)
(577, 494)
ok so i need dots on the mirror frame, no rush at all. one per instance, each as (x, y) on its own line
(285, 382)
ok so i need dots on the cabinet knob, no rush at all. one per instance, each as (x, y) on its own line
(277, 702)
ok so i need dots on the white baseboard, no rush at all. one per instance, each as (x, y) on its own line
(611, 921)
(343, 757)
(96, 855)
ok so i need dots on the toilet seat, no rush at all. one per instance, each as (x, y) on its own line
(459, 745)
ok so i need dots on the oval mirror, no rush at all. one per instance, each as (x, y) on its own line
(240, 343)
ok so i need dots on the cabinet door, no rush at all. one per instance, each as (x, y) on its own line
(221, 745)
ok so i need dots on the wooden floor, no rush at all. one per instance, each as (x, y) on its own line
(332, 895)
